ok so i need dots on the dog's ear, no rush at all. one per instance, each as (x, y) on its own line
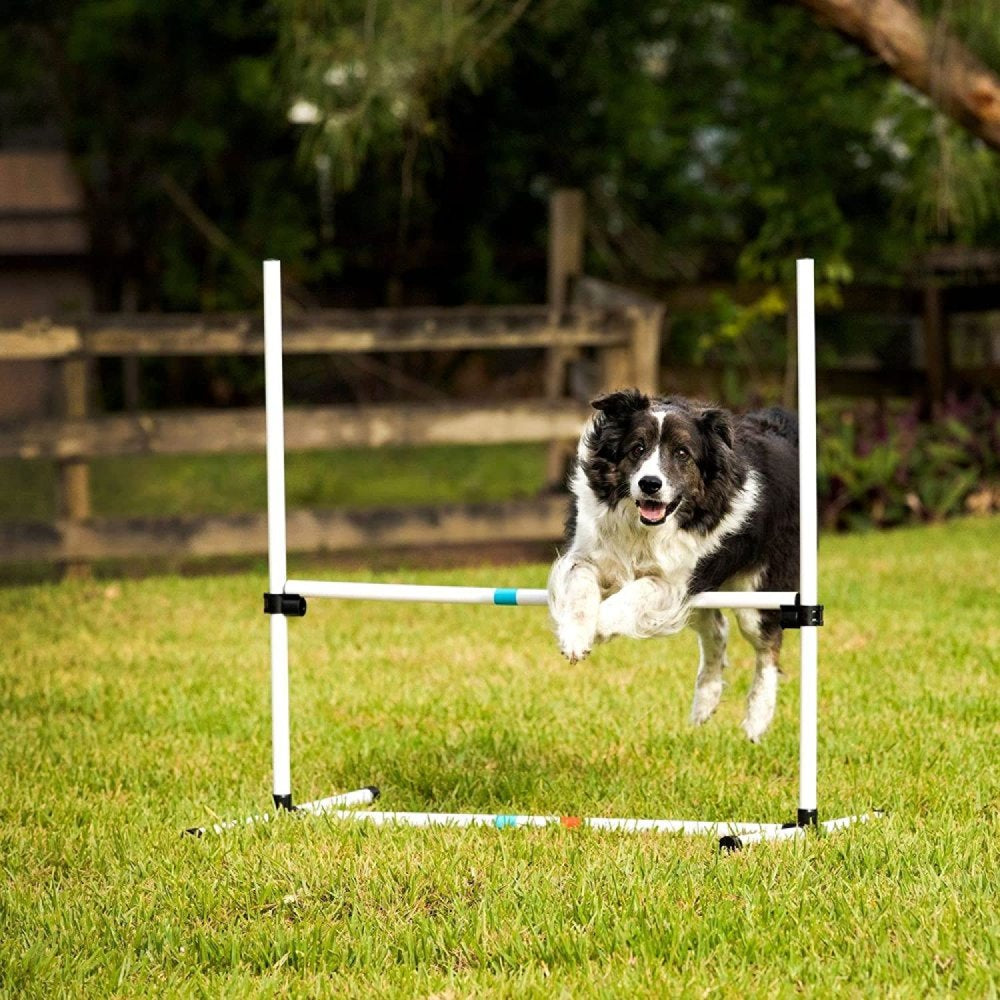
(621, 403)
(716, 425)
(609, 429)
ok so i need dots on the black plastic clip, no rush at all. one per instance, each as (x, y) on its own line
(796, 615)
(804, 819)
(290, 605)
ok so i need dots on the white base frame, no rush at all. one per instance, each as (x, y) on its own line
(731, 835)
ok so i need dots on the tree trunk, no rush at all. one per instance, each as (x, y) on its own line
(926, 57)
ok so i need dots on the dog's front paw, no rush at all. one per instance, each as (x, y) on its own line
(642, 609)
(616, 616)
(576, 639)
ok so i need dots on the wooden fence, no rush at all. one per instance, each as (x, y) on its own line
(622, 337)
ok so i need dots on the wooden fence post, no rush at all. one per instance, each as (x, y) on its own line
(644, 347)
(636, 363)
(130, 364)
(565, 259)
(74, 473)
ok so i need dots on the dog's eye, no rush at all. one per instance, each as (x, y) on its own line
(637, 451)
(682, 454)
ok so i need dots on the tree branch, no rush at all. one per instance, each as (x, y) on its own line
(293, 294)
(933, 61)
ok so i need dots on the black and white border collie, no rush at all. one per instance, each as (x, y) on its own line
(671, 498)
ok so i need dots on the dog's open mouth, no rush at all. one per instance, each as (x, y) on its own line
(653, 512)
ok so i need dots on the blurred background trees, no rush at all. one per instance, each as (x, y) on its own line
(179, 135)
(397, 152)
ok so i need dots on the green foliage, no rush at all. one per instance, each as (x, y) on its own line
(366, 76)
(945, 180)
(973, 22)
(169, 93)
(712, 139)
(881, 466)
(743, 334)
(715, 141)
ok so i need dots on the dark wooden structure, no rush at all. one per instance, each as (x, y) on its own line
(624, 342)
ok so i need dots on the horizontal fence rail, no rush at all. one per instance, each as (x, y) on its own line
(532, 521)
(307, 428)
(323, 332)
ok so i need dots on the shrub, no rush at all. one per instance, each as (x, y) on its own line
(880, 465)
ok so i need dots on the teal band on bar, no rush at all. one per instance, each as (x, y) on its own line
(505, 595)
(505, 822)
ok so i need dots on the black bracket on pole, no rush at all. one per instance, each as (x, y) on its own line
(798, 614)
(805, 818)
(290, 605)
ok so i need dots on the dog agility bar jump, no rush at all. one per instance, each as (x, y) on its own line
(288, 598)
(510, 596)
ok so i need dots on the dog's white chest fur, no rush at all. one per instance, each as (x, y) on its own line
(621, 549)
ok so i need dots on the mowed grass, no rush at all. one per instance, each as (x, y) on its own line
(222, 484)
(132, 710)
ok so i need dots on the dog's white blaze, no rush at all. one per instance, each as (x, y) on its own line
(651, 467)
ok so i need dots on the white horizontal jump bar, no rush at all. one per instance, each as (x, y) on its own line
(509, 596)
(416, 592)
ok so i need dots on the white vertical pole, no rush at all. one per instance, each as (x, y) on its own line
(276, 548)
(808, 536)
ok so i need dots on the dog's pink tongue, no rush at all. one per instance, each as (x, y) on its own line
(652, 510)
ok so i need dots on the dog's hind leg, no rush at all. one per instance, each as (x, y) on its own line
(762, 631)
(713, 630)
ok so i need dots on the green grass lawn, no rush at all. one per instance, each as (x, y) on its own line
(230, 484)
(134, 709)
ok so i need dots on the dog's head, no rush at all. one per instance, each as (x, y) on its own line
(662, 455)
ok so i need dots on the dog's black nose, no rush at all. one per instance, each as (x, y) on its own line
(650, 484)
